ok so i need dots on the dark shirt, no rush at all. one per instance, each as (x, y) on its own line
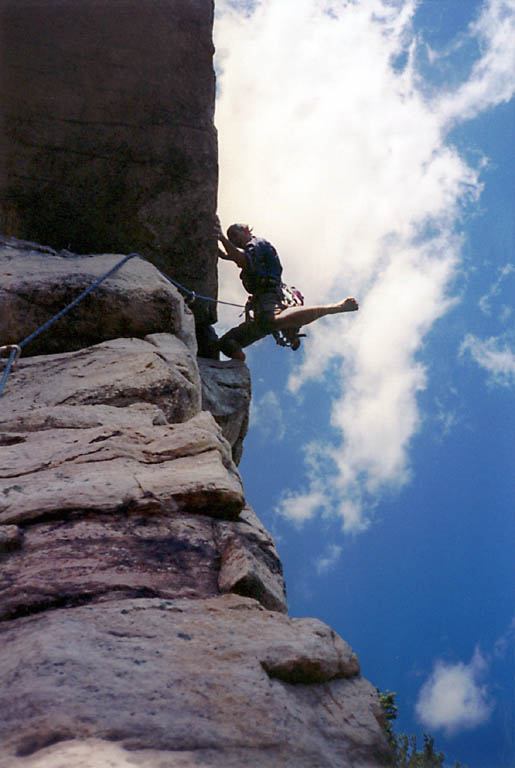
(263, 269)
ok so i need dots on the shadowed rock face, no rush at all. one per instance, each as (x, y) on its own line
(107, 142)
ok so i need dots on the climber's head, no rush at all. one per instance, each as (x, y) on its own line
(239, 234)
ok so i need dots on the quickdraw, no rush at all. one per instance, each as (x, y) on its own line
(290, 337)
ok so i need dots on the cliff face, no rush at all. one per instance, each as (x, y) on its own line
(142, 605)
(107, 142)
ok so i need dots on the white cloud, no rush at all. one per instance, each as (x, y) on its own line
(333, 154)
(266, 415)
(327, 562)
(492, 80)
(447, 420)
(486, 300)
(494, 355)
(506, 642)
(298, 508)
(453, 698)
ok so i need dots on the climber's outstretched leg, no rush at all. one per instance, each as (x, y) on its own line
(296, 317)
(232, 343)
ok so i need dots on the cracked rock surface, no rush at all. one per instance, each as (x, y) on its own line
(218, 682)
(226, 389)
(142, 602)
(37, 282)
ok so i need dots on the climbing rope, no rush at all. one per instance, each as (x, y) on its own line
(15, 352)
(193, 296)
(16, 349)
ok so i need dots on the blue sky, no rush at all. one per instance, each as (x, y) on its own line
(372, 143)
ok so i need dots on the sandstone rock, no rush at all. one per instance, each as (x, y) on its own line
(85, 480)
(226, 391)
(107, 140)
(108, 469)
(167, 664)
(250, 564)
(77, 560)
(99, 489)
(77, 417)
(120, 373)
(117, 507)
(109, 511)
(10, 538)
(37, 283)
(171, 350)
(321, 658)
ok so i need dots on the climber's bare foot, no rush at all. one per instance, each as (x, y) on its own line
(348, 305)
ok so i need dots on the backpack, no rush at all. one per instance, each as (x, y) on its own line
(264, 269)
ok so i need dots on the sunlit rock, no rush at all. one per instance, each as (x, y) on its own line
(203, 678)
(37, 283)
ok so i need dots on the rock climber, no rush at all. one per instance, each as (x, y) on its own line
(268, 310)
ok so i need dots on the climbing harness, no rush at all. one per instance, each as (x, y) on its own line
(289, 297)
(16, 349)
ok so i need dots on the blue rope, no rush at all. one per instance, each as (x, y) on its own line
(194, 295)
(7, 371)
(83, 295)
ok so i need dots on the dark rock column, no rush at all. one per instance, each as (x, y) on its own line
(107, 140)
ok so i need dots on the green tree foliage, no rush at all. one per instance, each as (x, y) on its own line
(404, 747)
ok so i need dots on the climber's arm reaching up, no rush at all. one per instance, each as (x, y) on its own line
(231, 252)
